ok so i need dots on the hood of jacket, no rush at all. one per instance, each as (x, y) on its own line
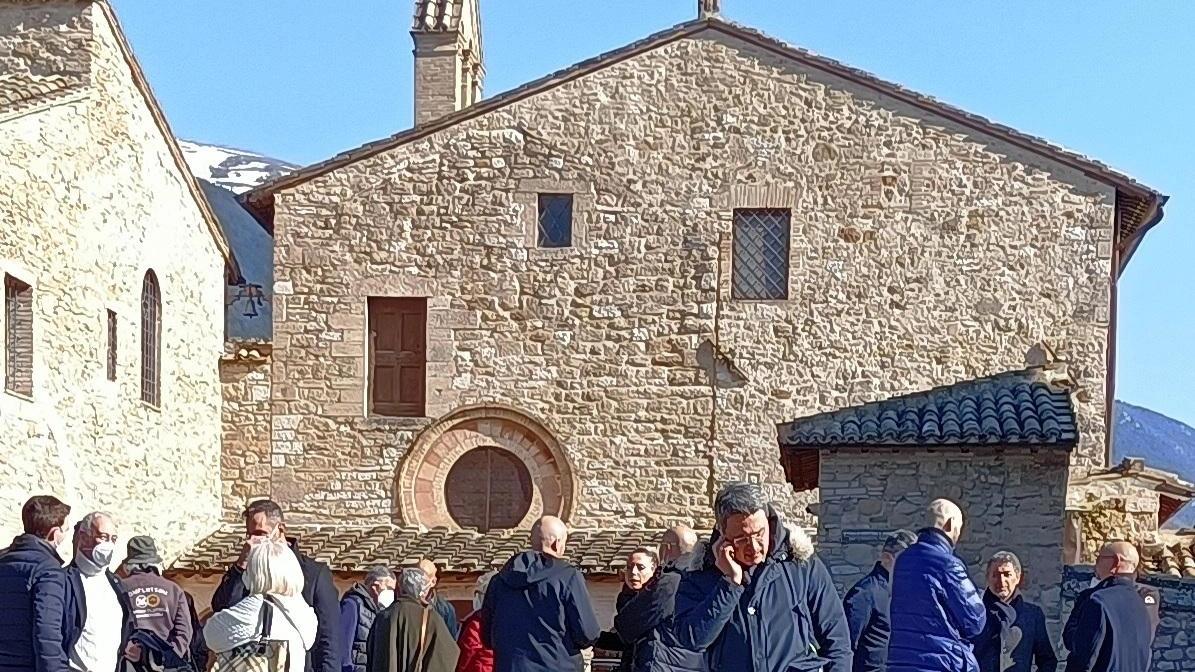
(531, 567)
(31, 543)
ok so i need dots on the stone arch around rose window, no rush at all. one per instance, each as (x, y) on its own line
(420, 498)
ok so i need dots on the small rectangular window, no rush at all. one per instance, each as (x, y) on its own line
(760, 263)
(398, 356)
(555, 220)
(111, 345)
(18, 336)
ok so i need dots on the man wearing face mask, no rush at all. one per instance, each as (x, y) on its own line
(263, 521)
(33, 590)
(358, 609)
(97, 601)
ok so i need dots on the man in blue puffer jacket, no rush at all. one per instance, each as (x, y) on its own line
(761, 602)
(34, 634)
(935, 608)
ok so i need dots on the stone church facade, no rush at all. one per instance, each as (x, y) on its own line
(114, 270)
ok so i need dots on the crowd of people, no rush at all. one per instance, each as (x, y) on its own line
(753, 597)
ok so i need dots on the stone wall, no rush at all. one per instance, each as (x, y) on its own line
(921, 254)
(1011, 500)
(1174, 643)
(245, 455)
(92, 199)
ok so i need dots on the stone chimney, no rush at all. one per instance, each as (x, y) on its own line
(709, 8)
(449, 68)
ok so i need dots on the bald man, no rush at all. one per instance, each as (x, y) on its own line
(442, 606)
(677, 541)
(536, 615)
(1109, 628)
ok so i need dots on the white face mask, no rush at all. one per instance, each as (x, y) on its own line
(385, 598)
(102, 554)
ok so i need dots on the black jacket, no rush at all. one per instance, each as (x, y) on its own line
(318, 590)
(537, 616)
(34, 628)
(644, 624)
(866, 606)
(1014, 637)
(76, 606)
(1109, 629)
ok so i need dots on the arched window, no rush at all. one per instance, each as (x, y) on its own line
(151, 340)
(488, 488)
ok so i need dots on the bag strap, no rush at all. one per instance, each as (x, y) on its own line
(266, 619)
(422, 640)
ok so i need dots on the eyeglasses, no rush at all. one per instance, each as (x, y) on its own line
(749, 539)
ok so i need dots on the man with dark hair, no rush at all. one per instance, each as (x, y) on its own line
(866, 606)
(34, 632)
(161, 614)
(1015, 637)
(263, 522)
(761, 601)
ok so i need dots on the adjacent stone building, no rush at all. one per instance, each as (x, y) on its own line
(596, 296)
(114, 271)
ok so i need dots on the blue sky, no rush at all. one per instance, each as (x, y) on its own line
(302, 81)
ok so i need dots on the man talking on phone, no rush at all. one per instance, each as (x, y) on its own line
(762, 601)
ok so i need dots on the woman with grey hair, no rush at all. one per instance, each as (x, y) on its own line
(475, 655)
(275, 583)
(409, 636)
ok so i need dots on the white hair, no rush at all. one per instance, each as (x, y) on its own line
(272, 568)
(942, 511)
(414, 582)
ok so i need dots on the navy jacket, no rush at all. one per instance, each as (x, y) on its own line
(935, 609)
(358, 609)
(643, 628)
(1109, 629)
(444, 608)
(318, 590)
(787, 617)
(537, 616)
(33, 592)
(1014, 638)
(866, 606)
(76, 606)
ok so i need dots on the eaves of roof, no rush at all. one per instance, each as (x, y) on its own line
(1138, 206)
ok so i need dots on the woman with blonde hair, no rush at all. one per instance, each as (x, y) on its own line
(275, 582)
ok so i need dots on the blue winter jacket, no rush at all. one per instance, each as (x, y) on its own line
(537, 616)
(786, 618)
(35, 634)
(866, 606)
(935, 609)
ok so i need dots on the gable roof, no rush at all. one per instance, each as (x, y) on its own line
(1139, 207)
(21, 91)
(1017, 408)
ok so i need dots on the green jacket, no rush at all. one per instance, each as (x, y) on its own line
(394, 644)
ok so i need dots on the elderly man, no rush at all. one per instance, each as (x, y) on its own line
(935, 609)
(263, 521)
(161, 613)
(409, 636)
(97, 599)
(1109, 629)
(358, 609)
(441, 605)
(1015, 637)
(760, 602)
(35, 629)
(866, 606)
(678, 540)
(536, 615)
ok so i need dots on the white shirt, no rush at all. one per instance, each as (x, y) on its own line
(240, 624)
(98, 647)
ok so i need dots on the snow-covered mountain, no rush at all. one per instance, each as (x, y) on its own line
(234, 169)
(1164, 442)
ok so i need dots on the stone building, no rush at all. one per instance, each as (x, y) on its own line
(597, 294)
(114, 270)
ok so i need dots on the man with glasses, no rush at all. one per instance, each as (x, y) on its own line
(1109, 628)
(761, 601)
(97, 601)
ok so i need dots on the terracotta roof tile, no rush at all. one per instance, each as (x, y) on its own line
(22, 90)
(346, 548)
(1176, 558)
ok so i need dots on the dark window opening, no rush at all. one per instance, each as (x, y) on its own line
(488, 489)
(151, 340)
(111, 345)
(555, 220)
(398, 356)
(18, 336)
(803, 469)
(761, 245)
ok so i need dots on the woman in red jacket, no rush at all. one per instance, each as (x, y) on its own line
(475, 657)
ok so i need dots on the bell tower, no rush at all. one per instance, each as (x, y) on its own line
(449, 67)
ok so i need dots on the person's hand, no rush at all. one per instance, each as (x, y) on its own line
(132, 652)
(725, 562)
(243, 558)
